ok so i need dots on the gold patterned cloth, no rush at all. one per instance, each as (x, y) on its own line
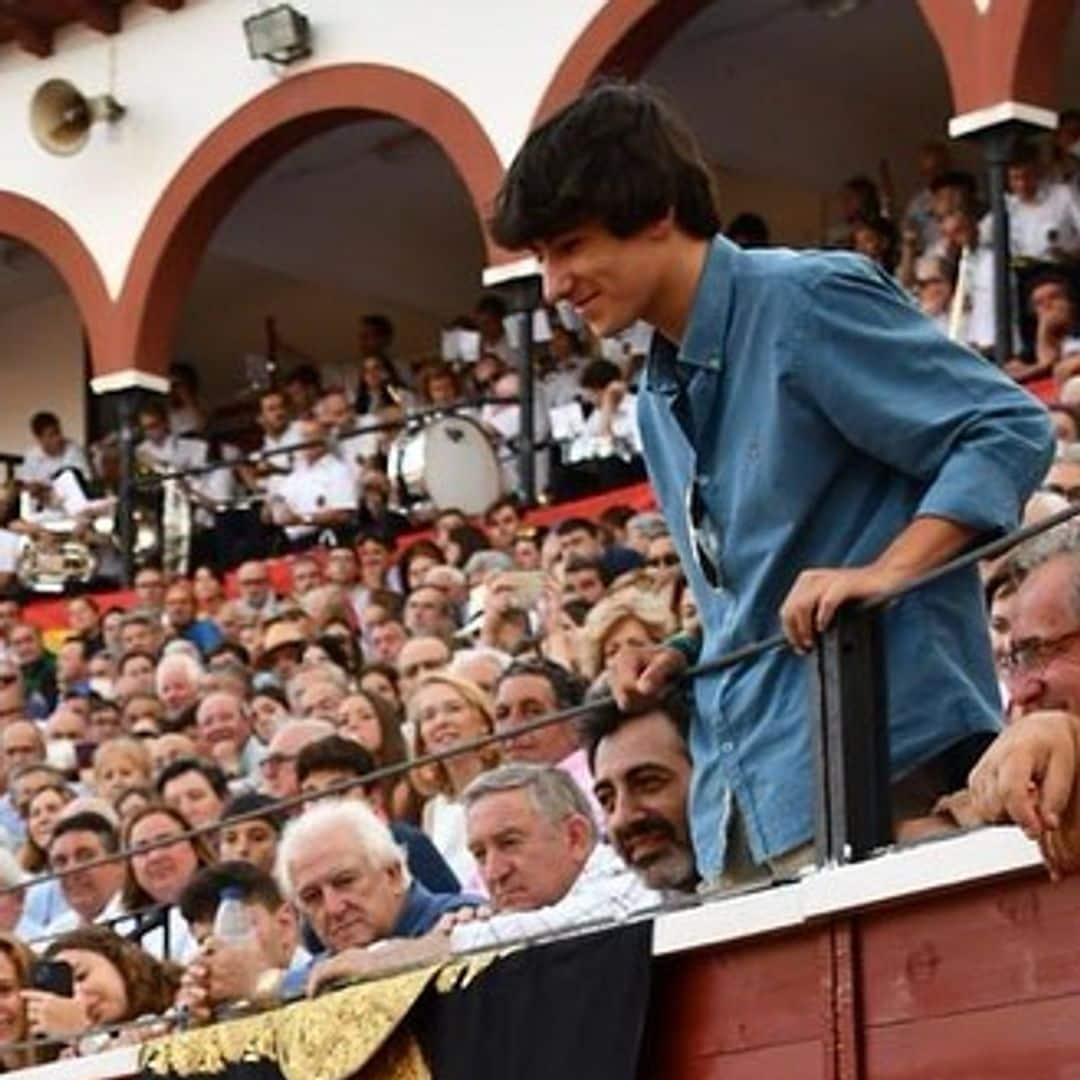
(351, 1033)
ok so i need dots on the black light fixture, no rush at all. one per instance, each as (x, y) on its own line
(279, 34)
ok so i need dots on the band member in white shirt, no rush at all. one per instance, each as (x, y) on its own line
(51, 452)
(336, 414)
(319, 494)
(274, 458)
(160, 449)
(208, 492)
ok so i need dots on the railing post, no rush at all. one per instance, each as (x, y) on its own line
(521, 289)
(122, 392)
(125, 521)
(850, 739)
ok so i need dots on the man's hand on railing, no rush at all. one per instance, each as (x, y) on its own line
(817, 595)
(221, 973)
(193, 997)
(1029, 776)
(378, 960)
(638, 680)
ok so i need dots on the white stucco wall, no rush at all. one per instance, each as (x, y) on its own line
(182, 74)
(41, 367)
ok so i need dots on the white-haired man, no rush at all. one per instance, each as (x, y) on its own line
(177, 682)
(339, 866)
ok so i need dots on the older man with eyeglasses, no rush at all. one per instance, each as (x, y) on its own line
(1031, 773)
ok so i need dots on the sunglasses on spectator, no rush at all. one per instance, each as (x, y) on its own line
(8, 679)
(663, 560)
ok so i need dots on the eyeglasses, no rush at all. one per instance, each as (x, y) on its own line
(7, 680)
(254, 581)
(705, 536)
(922, 283)
(1033, 654)
(663, 560)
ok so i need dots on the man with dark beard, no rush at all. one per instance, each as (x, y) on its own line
(641, 767)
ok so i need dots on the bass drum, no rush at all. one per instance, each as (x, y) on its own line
(447, 463)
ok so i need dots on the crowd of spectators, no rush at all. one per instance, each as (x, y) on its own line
(940, 246)
(318, 748)
(325, 460)
(233, 709)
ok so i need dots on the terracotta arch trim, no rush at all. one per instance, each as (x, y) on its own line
(1013, 52)
(236, 152)
(52, 237)
(620, 40)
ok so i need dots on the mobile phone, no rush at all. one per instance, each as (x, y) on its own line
(54, 976)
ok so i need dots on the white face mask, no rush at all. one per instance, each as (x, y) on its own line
(60, 754)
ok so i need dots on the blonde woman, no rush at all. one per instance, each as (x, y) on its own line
(445, 712)
(119, 764)
(626, 621)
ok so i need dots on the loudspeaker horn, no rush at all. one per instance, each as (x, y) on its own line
(61, 117)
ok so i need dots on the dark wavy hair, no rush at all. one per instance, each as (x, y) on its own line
(150, 984)
(621, 156)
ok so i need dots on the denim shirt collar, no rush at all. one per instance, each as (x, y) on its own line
(702, 345)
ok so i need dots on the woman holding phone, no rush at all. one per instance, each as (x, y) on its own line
(112, 981)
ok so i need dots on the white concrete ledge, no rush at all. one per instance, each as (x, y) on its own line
(926, 868)
(123, 1061)
(511, 271)
(129, 379)
(978, 119)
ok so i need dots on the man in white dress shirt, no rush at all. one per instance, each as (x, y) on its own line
(275, 459)
(318, 494)
(1044, 216)
(51, 452)
(537, 848)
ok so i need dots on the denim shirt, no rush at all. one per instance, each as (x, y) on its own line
(809, 415)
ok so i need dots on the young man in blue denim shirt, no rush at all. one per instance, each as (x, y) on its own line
(812, 439)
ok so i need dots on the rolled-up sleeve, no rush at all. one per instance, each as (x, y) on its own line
(887, 379)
